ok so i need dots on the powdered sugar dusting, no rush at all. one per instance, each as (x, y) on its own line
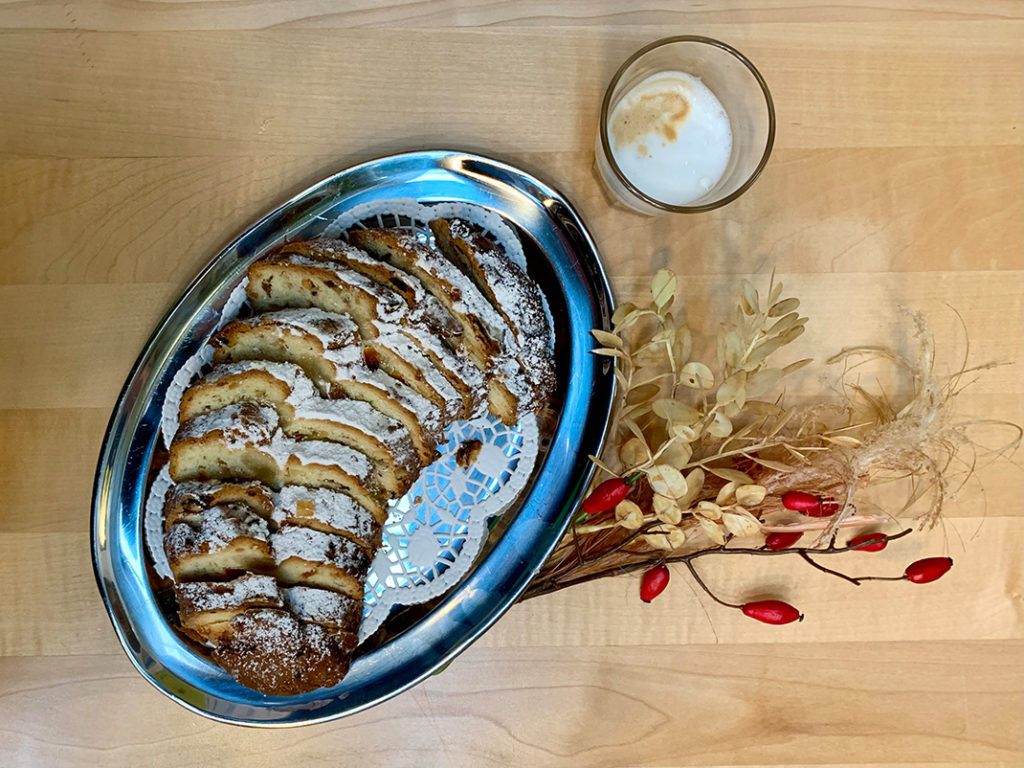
(248, 590)
(218, 527)
(333, 508)
(322, 606)
(318, 547)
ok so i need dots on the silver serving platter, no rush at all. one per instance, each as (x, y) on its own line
(561, 256)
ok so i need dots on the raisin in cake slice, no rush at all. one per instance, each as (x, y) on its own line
(305, 413)
(336, 364)
(510, 291)
(243, 442)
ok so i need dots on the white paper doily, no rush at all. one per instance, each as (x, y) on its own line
(435, 532)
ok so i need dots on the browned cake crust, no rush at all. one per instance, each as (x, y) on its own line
(273, 652)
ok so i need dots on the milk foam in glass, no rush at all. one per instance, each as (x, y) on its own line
(671, 137)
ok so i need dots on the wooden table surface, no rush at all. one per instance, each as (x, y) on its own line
(136, 138)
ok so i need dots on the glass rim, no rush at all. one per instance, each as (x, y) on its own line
(606, 144)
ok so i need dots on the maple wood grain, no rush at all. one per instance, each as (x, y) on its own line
(137, 138)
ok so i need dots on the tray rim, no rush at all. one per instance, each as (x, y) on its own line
(597, 280)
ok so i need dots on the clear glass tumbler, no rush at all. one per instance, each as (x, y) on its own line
(739, 88)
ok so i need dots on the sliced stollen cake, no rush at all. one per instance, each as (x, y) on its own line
(309, 557)
(218, 542)
(243, 442)
(336, 363)
(328, 511)
(186, 499)
(275, 653)
(305, 413)
(206, 608)
(486, 338)
(510, 291)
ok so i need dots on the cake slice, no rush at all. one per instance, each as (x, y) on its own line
(337, 366)
(206, 608)
(339, 614)
(330, 512)
(184, 501)
(221, 541)
(243, 442)
(344, 259)
(308, 557)
(275, 653)
(510, 291)
(305, 414)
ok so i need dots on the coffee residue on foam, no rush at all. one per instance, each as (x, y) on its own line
(660, 112)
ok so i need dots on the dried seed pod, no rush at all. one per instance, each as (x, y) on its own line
(629, 515)
(606, 496)
(664, 536)
(667, 480)
(782, 540)
(859, 542)
(750, 495)
(928, 570)
(653, 582)
(772, 612)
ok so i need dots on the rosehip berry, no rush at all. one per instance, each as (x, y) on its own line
(929, 569)
(878, 546)
(772, 612)
(653, 583)
(605, 496)
(809, 504)
(782, 540)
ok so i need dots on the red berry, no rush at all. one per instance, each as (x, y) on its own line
(878, 546)
(772, 612)
(782, 540)
(929, 569)
(653, 583)
(799, 501)
(606, 496)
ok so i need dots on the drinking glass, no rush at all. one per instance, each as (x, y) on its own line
(743, 94)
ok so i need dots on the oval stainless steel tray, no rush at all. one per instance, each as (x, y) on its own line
(561, 255)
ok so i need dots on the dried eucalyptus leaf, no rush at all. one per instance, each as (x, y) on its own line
(720, 426)
(696, 376)
(733, 390)
(762, 350)
(675, 411)
(633, 427)
(621, 311)
(726, 473)
(784, 323)
(730, 346)
(601, 465)
(793, 333)
(607, 339)
(642, 393)
(620, 379)
(712, 530)
(664, 536)
(634, 452)
(629, 515)
(741, 524)
(764, 381)
(750, 298)
(663, 287)
(682, 345)
(775, 292)
(783, 307)
(677, 454)
(750, 495)
(726, 493)
(608, 352)
(667, 480)
(794, 367)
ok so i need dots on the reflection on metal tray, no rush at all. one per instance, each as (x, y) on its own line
(560, 256)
